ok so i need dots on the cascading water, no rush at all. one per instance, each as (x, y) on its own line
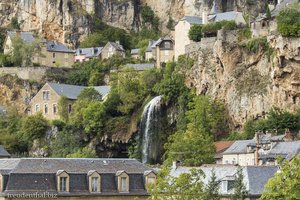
(149, 131)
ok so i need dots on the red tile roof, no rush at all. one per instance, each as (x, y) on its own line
(222, 145)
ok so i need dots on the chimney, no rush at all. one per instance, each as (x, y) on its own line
(204, 16)
(287, 135)
(257, 134)
(118, 42)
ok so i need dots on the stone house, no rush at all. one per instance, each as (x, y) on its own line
(135, 53)
(3, 153)
(262, 150)
(182, 33)
(47, 99)
(85, 54)
(254, 177)
(55, 54)
(80, 178)
(27, 37)
(112, 48)
(163, 51)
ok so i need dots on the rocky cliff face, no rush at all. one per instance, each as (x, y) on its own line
(70, 20)
(249, 84)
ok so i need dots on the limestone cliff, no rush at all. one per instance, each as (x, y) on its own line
(70, 20)
(249, 84)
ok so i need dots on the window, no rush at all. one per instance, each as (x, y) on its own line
(37, 108)
(110, 49)
(54, 109)
(70, 108)
(233, 161)
(46, 95)
(63, 184)
(94, 184)
(230, 185)
(167, 45)
(123, 187)
(53, 55)
(46, 109)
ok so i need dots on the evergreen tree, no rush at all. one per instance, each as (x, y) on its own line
(240, 191)
(211, 190)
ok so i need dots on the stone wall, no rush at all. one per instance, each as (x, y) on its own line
(25, 73)
(195, 46)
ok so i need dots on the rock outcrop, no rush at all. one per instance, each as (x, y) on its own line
(249, 84)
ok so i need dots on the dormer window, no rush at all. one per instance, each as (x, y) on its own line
(123, 181)
(150, 177)
(63, 181)
(94, 181)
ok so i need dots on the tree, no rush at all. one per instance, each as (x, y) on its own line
(89, 94)
(85, 152)
(63, 108)
(170, 24)
(286, 183)
(23, 52)
(188, 186)
(14, 23)
(195, 32)
(211, 190)
(288, 21)
(239, 188)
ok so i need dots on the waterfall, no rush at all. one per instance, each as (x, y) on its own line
(149, 130)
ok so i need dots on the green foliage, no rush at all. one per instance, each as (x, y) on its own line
(170, 24)
(277, 120)
(23, 52)
(3, 33)
(6, 60)
(288, 21)
(14, 24)
(63, 108)
(184, 63)
(85, 152)
(244, 33)
(148, 16)
(255, 45)
(212, 28)
(211, 190)
(239, 188)
(188, 186)
(286, 184)
(195, 32)
(89, 94)
(268, 12)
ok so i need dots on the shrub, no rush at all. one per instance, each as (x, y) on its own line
(288, 21)
(195, 33)
(212, 28)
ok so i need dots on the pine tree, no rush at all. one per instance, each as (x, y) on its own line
(211, 190)
(240, 191)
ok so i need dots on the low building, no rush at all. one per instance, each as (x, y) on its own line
(254, 177)
(262, 150)
(220, 147)
(86, 54)
(135, 53)
(112, 48)
(27, 37)
(163, 51)
(55, 54)
(62, 178)
(3, 153)
(47, 98)
(141, 66)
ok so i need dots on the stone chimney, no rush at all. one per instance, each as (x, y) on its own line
(118, 42)
(175, 164)
(204, 16)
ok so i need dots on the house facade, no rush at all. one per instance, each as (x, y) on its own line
(86, 54)
(182, 33)
(60, 178)
(112, 48)
(254, 177)
(47, 99)
(163, 51)
(135, 53)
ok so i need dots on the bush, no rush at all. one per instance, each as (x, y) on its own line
(195, 33)
(5, 60)
(288, 21)
(212, 28)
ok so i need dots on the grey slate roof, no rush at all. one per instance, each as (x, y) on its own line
(55, 46)
(232, 15)
(134, 51)
(72, 91)
(117, 46)
(239, 146)
(89, 52)
(39, 174)
(6, 165)
(255, 177)
(160, 40)
(287, 150)
(149, 48)
(26, 36)
(3, 152)
(192, 19)
(141, 66)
